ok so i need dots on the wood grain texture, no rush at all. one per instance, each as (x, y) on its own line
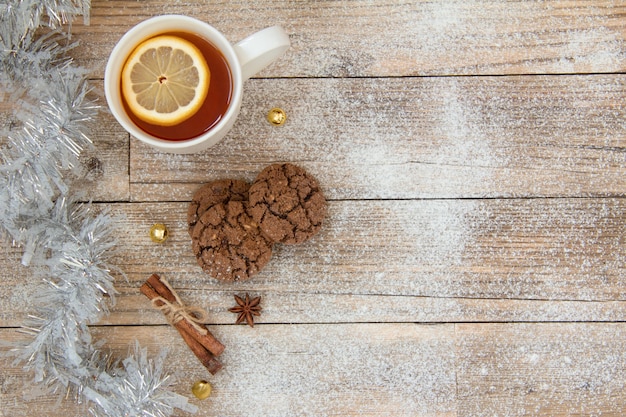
(503, 369)
(351, 369)
(391, 38)
(552, 249)
(108, 176)
(541, 369)
(403, 261)
(472, 261)
(416, 138)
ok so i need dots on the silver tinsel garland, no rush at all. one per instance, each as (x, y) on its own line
(68, 244)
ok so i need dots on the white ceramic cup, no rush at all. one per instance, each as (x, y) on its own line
(245, 59)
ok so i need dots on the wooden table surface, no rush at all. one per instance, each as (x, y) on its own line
(472, 262)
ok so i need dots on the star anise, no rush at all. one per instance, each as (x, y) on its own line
(246, 308)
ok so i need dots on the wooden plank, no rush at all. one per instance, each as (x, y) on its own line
(108, 177)
(541, 369)
(306, 308)
(416, 138)
(555, 249)
(304, 370)
(423, 260)
(391, 38)
(132, 308)
(538, 369)
(492, 207)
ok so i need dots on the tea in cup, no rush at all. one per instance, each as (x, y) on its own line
(175, 82)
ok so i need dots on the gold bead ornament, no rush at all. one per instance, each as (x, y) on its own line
(201, 389)
(158, 233)
(276, 116)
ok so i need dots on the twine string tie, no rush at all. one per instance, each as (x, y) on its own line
(177, 311)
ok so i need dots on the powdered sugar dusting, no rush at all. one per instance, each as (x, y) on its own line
(347, 369)
(418, 139)
(460, 37)
(20, 282)
(402, 38)
(541, 369)
(591, 50)
(570, 249)
(399, 247)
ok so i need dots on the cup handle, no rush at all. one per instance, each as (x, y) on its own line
(260, 49)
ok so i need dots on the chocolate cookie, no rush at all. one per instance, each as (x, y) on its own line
(287, 203)
(228, 244)
(215, 192)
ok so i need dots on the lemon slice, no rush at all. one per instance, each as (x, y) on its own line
(165, 80)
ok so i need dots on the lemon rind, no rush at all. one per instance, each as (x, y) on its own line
(183, 112)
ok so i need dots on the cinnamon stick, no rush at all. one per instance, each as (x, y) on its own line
(207, 340)
(204, 355)
(206, 358)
